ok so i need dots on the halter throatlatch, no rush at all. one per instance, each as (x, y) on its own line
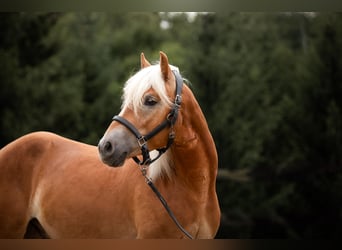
(168, 122)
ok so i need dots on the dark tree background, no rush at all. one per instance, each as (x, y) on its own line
(270, 86)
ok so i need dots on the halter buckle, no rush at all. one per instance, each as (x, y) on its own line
(141, 141)
(178, 100)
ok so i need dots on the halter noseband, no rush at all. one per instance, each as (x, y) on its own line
(168, 122)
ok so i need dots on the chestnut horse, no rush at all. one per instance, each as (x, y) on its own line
(55, 187)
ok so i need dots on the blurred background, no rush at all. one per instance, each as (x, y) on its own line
(269, 84)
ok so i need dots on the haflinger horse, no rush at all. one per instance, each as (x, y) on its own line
(54, 187)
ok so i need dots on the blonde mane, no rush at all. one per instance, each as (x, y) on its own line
(142, 81)
(163, 167)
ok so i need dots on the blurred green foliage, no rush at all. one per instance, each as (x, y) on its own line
(270, 86)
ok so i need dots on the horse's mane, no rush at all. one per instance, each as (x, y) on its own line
(163, 167)
(142, 81)
(134, 90)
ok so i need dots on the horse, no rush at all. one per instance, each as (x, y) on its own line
(55, 187)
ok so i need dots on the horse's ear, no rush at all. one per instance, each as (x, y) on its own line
(164, 66)
(143, 62)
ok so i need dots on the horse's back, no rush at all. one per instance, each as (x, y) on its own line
(28, 148)
(23, 164)
(20, 159)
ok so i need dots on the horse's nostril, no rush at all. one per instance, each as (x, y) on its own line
(105, 148)
(108, 147)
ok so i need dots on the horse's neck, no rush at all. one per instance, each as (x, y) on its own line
(194, 152)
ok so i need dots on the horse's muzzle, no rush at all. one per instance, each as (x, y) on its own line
(114, 149)
(109, 156)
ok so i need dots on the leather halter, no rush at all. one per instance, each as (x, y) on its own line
(168, 122)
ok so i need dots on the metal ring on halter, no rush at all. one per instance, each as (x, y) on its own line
(142, 141)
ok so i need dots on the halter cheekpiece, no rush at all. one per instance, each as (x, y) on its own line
(170, 120)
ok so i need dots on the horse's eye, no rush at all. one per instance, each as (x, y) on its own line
(150, 101)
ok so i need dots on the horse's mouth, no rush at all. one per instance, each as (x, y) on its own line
(116, 161)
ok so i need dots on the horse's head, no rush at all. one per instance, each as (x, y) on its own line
(150, 105)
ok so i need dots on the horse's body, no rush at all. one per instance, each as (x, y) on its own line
(66, 187)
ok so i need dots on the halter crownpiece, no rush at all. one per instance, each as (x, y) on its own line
(168, 122)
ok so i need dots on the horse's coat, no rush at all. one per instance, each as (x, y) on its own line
(65, 186)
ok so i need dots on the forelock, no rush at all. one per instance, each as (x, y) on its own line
(142, 81)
